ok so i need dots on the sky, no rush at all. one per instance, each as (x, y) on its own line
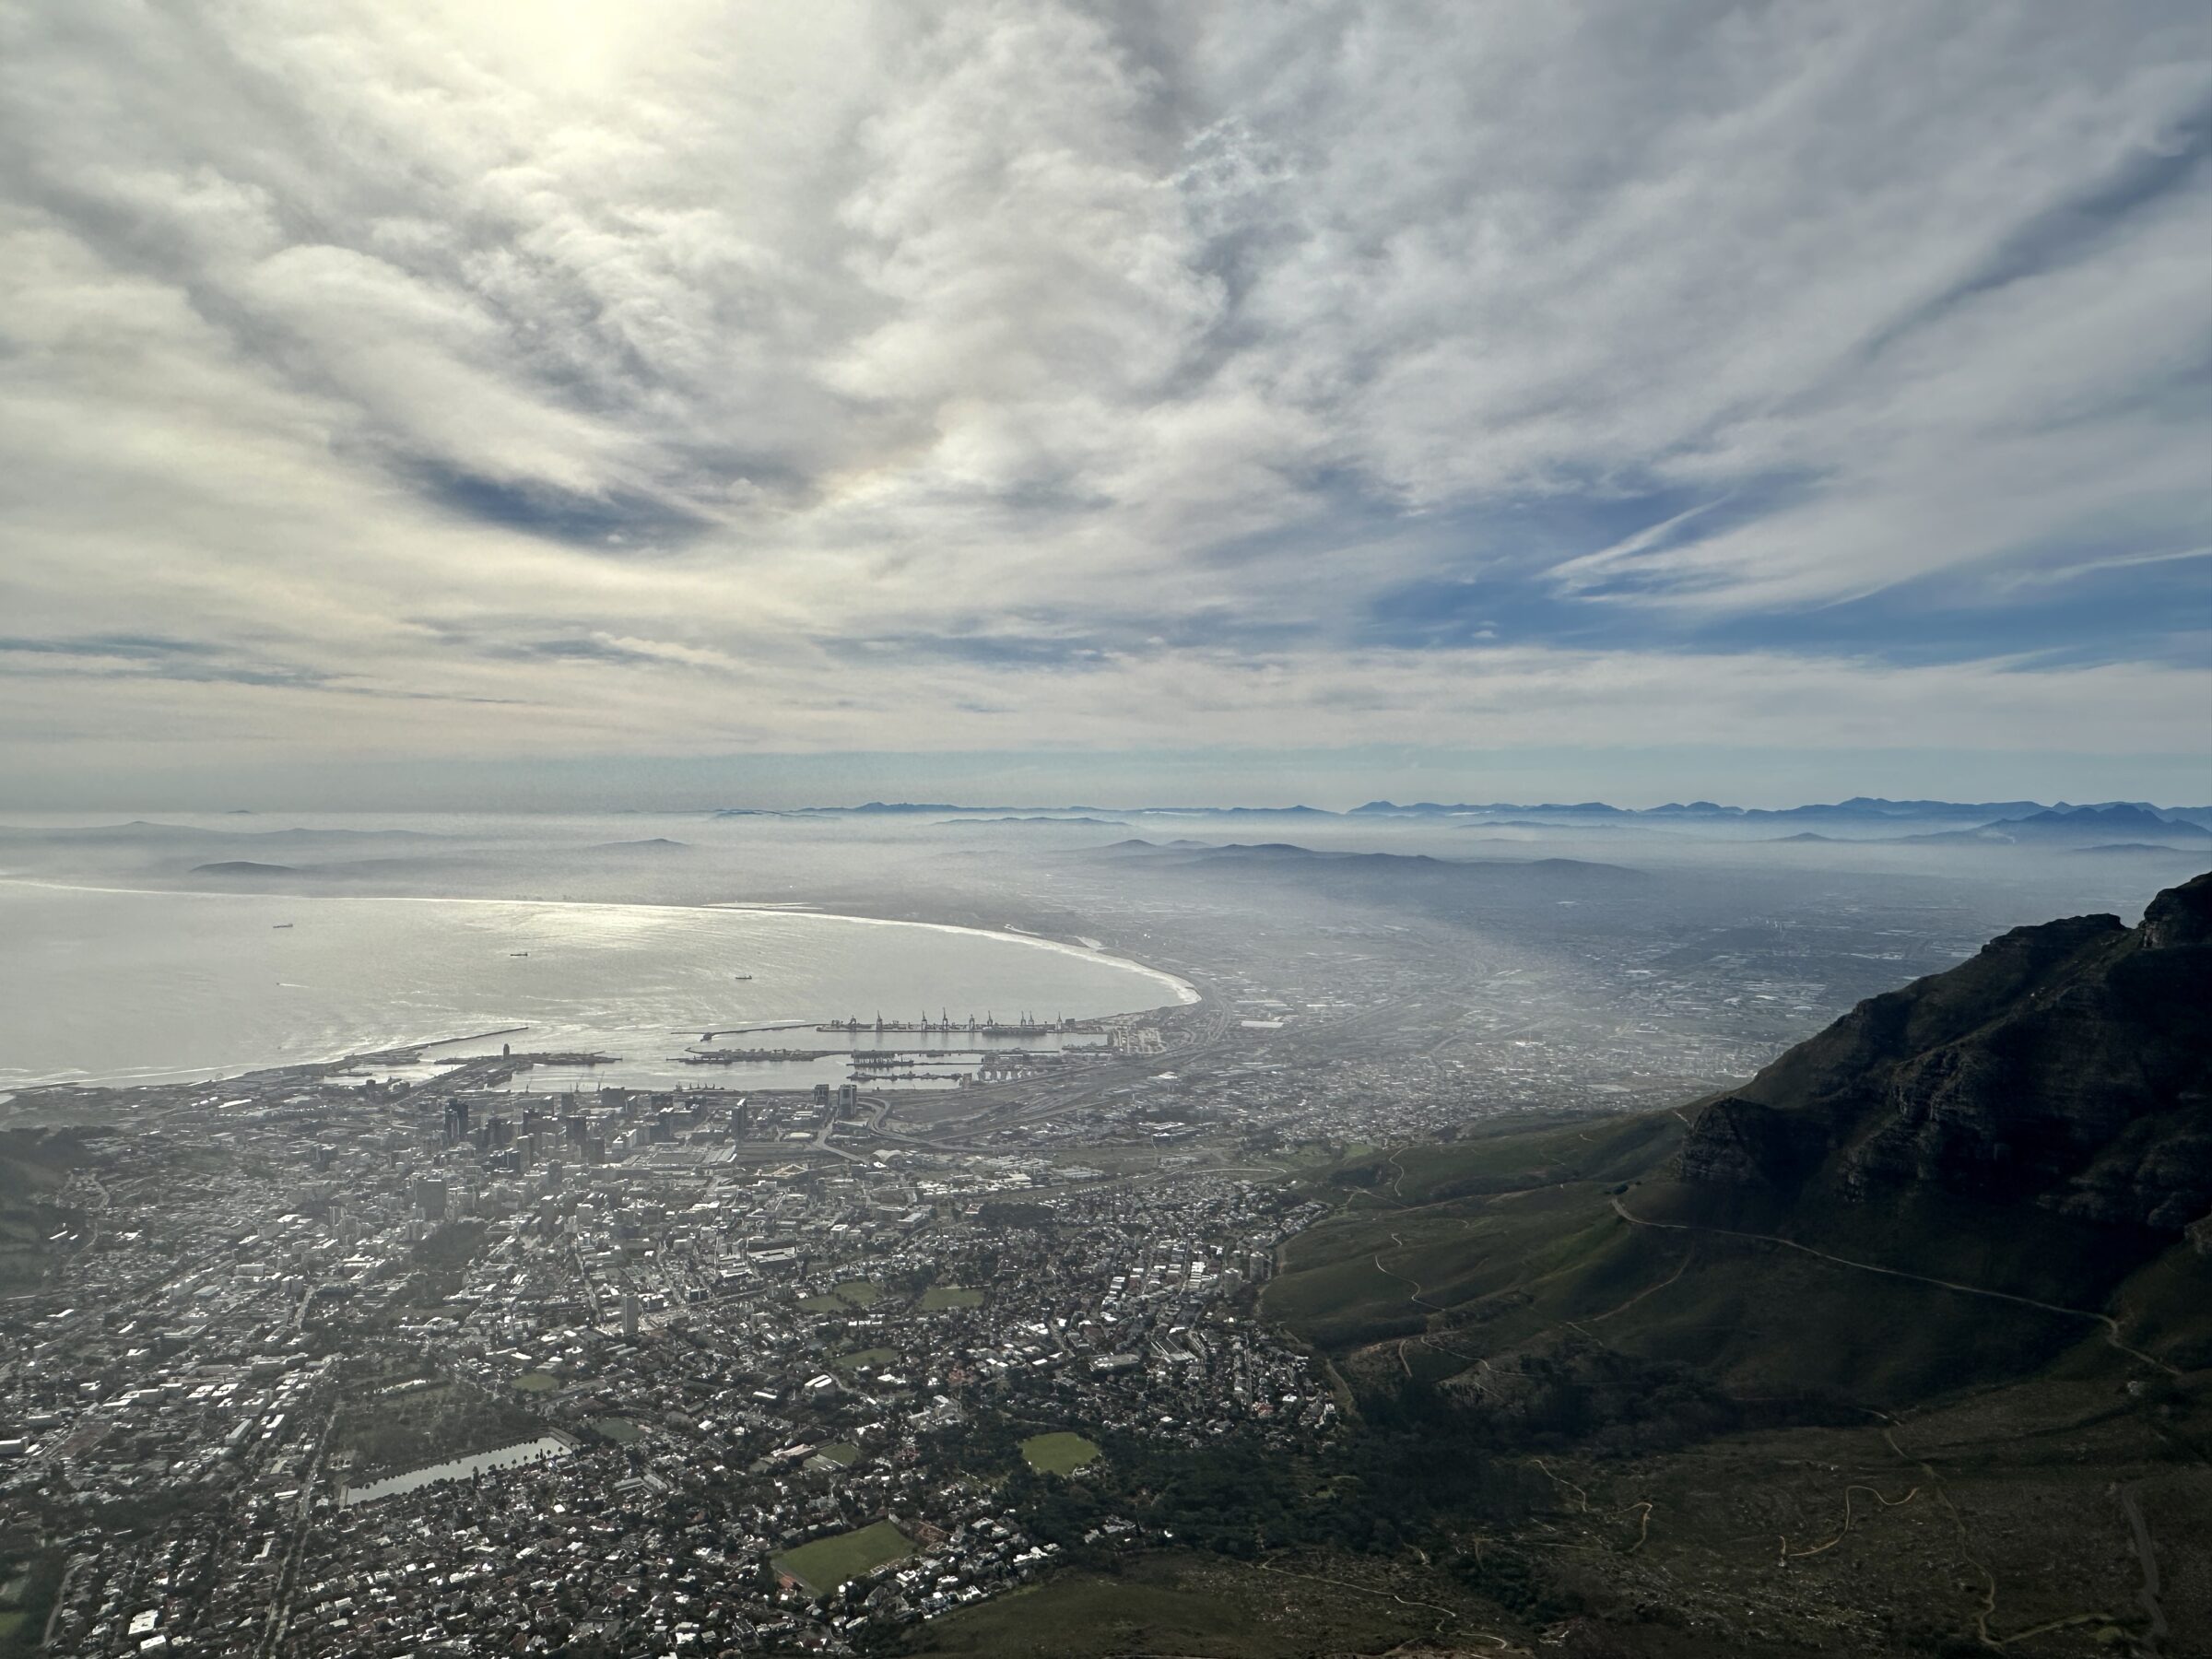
(749, 404)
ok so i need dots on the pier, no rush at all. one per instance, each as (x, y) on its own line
(1027, 1026)
(741, 1056)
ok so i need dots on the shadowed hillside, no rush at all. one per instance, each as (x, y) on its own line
(1945, 1259)
(2068, 1066)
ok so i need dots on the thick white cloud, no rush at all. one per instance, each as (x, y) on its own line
(390, 378)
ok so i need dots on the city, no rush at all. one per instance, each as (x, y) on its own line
(456, 1344)
(352, 1319)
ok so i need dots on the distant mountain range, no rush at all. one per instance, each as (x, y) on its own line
(1862, 817)
(2137, 827)
(1434, 889)
(1033, 818)
(2085, 825)
(1871, 808)
(2120, 826)
(140, 833)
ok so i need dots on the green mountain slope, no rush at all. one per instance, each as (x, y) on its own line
(1990, 1172)
(1888, 1351)
(1905, 1347)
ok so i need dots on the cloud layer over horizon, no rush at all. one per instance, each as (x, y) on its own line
(388, 379)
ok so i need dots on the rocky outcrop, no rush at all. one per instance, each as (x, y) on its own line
(2180, 915)
(2068, 1066)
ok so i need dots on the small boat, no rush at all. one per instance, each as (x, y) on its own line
(741, 976)
(278, 926)
(518, 953)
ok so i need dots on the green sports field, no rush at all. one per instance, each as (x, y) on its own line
(1059, 1453)
(826, 1563)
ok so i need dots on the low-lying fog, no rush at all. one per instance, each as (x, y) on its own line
(1635, 959)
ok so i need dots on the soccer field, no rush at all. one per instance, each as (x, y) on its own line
(828, 1562)
(1060, 1453)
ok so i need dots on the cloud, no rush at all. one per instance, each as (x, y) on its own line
(1290, 371)
(139, 657)
(129, 648)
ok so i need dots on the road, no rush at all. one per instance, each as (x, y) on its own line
(286, 1588)
(2110, 1325)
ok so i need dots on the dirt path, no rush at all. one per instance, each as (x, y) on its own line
(1415, 1295)
(1648, 1290)
(2146, 1598)
(1430, 1339)
(1849, 1516)
(1451, 1616)
(1643, 1533)
(2110, 1325)
(1397, 1182)
(1582, 1498)
(1988, 1609)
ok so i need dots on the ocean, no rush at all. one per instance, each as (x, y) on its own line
(103, 984)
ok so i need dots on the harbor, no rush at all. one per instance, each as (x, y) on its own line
(1026, 1026)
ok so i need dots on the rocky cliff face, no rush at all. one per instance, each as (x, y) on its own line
(2068, 1064)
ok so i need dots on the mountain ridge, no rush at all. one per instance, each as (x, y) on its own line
(2068, 1065)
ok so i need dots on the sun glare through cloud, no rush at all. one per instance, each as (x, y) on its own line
(699, 380)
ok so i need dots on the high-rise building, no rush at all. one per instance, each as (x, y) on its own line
(630, 1313)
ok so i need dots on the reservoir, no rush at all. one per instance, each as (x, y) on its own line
(541, 1450)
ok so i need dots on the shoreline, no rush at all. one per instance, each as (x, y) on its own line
(1184, 995)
